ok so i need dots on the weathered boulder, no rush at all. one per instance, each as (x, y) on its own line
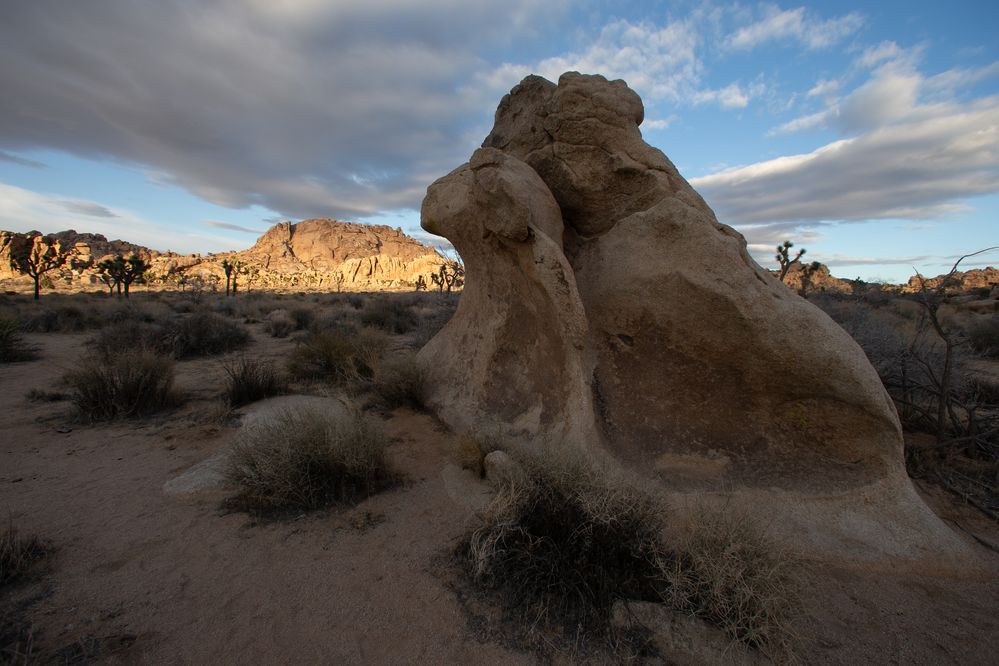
(606, 307)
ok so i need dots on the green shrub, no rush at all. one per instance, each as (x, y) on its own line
(129, 384)
(203, 334)
(12, 344)
(308, 459)
(249, 380)
(399, 381)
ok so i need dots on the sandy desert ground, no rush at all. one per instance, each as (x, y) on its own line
(148, 568)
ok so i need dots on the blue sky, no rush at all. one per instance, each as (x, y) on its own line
(867, 133)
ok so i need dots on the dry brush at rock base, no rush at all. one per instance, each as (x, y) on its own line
(307, 459)
(606, 306)
(563, 542)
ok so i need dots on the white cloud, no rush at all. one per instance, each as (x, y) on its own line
(794, 24)
(26, 210)
(811, 121)
(824, 88)
(232, 227)
(247, 102)
(874, 55)
(922, 164)
(659, 62)
(659, 123)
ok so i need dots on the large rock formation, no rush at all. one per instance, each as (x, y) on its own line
(312, 254)
(605, 307)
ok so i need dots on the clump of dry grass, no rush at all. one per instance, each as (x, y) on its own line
(567, 541)
(308, 459)
(13, 347)
(399, 381)
(248, 380)
(130, 384)
(336, 357)
(203, 334)
(562, 542)
(727, 571)
(18, 553)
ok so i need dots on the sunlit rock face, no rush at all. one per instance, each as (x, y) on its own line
(606, 308)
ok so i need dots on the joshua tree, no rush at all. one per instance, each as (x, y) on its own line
(338, 279)
(450, 274)
(807, 271)
(118, 272)
(783, 258)
(111, 272)
(421, 283)
(232, 268)
(36, 258)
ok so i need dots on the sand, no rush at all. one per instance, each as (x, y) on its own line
(142, 575)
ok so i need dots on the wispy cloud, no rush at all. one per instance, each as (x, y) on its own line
(26, 210)
(797, 25)
(22, 161)
(88, 208)
(231, 227)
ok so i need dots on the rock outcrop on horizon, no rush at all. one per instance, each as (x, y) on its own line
(605, 308)
(319, 254)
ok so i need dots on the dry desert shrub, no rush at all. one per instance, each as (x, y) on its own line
(131, 383)
(13, 346)
(249, 380)
(983, 335)
(305, 459)
(203, 334)
(727, 571)
(127, 334)
(18, 553)
(562, 542)
(303, 318)
(337, 357)
(280, 324)
(390, 314)
(399, 381)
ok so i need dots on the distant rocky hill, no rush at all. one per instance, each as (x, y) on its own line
(312, 254)
(976, 278)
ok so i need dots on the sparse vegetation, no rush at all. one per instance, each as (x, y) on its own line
(13, 347)
(307, 459)
(18, 553)
(391, 315)
(726, 571)
(399, 381)
(41, 395)
(561, 545)
(983, 335)
(132, 383)
(335, 357)
(249, 380)
(204, 334)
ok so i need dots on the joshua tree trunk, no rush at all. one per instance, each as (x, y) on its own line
(37, 278)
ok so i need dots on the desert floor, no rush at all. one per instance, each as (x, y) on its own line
(144, 572)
